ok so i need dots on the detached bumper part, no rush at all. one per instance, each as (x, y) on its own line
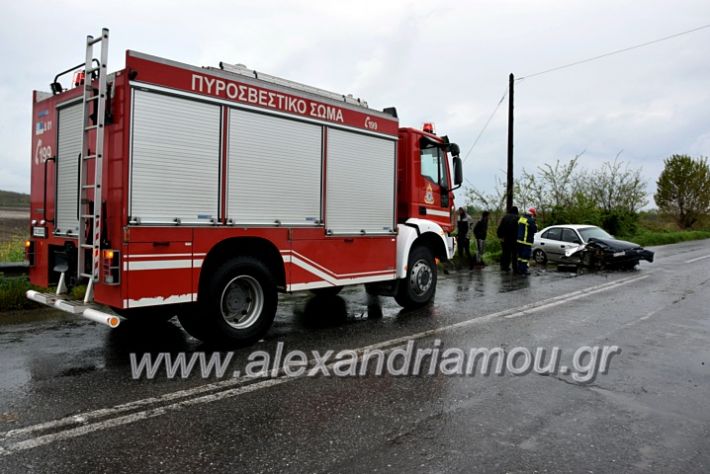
(646, 255)
(636, 254)
(88, 311)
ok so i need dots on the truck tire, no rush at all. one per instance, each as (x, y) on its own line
(419, 287)
(236, 306)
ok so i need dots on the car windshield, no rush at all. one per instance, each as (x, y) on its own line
(594, 233)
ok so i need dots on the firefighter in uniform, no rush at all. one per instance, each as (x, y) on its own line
(527, 227)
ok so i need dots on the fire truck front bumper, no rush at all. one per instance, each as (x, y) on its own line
(85, 310)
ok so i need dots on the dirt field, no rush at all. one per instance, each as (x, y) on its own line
(14, 224)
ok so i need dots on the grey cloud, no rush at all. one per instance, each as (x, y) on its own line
(438, 61)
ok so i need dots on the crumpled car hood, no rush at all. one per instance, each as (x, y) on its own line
(615, 245)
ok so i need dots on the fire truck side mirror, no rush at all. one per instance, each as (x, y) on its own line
(458, 170)
(454, 149)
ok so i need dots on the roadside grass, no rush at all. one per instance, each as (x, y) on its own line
(12, 251)
(13, 289)
(12, 293)
(647, 237)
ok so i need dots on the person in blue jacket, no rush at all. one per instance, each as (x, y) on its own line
(527, 227)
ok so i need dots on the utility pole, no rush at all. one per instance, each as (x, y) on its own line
(509, 188)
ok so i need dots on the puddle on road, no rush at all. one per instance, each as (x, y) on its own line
(28, 316)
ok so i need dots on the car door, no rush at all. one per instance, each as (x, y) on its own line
(570, 239)
(550, 242)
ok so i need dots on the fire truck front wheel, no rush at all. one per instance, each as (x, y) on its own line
(418, 288)
(236, 306)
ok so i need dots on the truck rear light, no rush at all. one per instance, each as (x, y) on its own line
(112, 266)
(30, 252)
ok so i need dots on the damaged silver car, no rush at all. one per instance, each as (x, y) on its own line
(586, 245)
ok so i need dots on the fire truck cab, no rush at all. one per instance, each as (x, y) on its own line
(169, 189)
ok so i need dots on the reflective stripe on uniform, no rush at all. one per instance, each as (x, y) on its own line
(524, 220)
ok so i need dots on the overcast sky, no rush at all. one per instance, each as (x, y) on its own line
(436, 61)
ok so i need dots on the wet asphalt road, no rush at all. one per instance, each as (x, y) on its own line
(68, 402)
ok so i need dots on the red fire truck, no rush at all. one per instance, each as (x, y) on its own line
(203, 192)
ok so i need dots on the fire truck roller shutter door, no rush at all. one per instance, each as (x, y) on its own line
(360, 183)
(274, 170)
(68, 149)
(174, 159)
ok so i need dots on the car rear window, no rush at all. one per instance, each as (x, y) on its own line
(552, 234)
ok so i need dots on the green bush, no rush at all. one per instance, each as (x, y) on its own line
(583, 211)
(12, 251)
(620, 222)
(12, 293)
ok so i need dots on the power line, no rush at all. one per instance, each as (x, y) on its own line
(576, 63)
(611, 53)
(480, 134)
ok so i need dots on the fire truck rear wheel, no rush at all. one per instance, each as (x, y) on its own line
(418, 288)
(238, 303)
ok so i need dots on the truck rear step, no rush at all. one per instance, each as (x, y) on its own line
(86, 310)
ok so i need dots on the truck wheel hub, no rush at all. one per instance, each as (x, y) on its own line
(242, 302)
(421, 277)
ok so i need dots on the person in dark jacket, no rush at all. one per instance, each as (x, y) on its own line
(463, 241)
(480, 230)
(527, 227)
(508, 233)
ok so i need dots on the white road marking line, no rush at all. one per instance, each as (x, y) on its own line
(697, 259)
(572, 298)
(236, 389)
(102, 412)
(133, 417)
(644, 318)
